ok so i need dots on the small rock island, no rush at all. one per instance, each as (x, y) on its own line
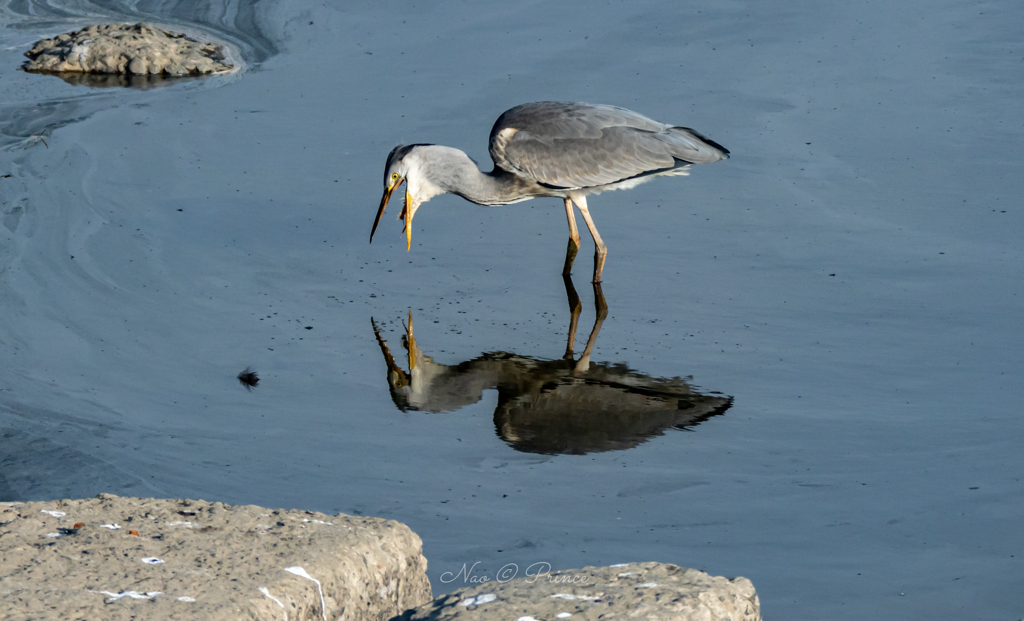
(133, 49)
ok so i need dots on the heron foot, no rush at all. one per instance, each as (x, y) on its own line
(599, 257)
(570, 255)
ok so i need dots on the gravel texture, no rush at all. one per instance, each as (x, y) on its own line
(647, 591)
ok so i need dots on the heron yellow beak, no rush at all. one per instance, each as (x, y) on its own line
(383, 204)
(396, 376)
(408, 222)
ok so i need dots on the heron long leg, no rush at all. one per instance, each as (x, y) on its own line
(600, 250)
(574, 239)
(602, 313)
(575, 308)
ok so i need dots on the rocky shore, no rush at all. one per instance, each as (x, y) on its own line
(649, 591)
(129, 558)
(141, 558)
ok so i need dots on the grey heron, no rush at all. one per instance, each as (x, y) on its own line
(562, 150)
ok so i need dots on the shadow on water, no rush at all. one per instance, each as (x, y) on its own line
(568, 406)
(115, 80)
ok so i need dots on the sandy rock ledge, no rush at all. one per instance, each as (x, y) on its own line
(647, 591)
(138, 49)
(191, 559)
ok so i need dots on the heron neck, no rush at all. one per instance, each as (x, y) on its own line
(498, 187)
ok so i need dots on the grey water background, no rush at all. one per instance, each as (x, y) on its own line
(851, 277)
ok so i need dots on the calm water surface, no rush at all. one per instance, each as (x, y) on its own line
(802, 367)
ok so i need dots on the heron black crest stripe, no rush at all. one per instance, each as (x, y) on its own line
(401, 151)
(391, 158)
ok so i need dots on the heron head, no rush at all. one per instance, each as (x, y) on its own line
(401, 166)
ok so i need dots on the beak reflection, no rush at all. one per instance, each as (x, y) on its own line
(567, 406)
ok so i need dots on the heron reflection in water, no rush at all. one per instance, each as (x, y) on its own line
(567, 406)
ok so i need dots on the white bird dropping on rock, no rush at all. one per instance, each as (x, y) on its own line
(266, 592)
(298, 571)
(131, 594)
(480, 599)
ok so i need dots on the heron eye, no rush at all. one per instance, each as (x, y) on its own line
(394, 176)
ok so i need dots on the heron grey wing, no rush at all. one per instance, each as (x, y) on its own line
(618, 153)
(572, 120)
(584, 145)
(553, 119)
